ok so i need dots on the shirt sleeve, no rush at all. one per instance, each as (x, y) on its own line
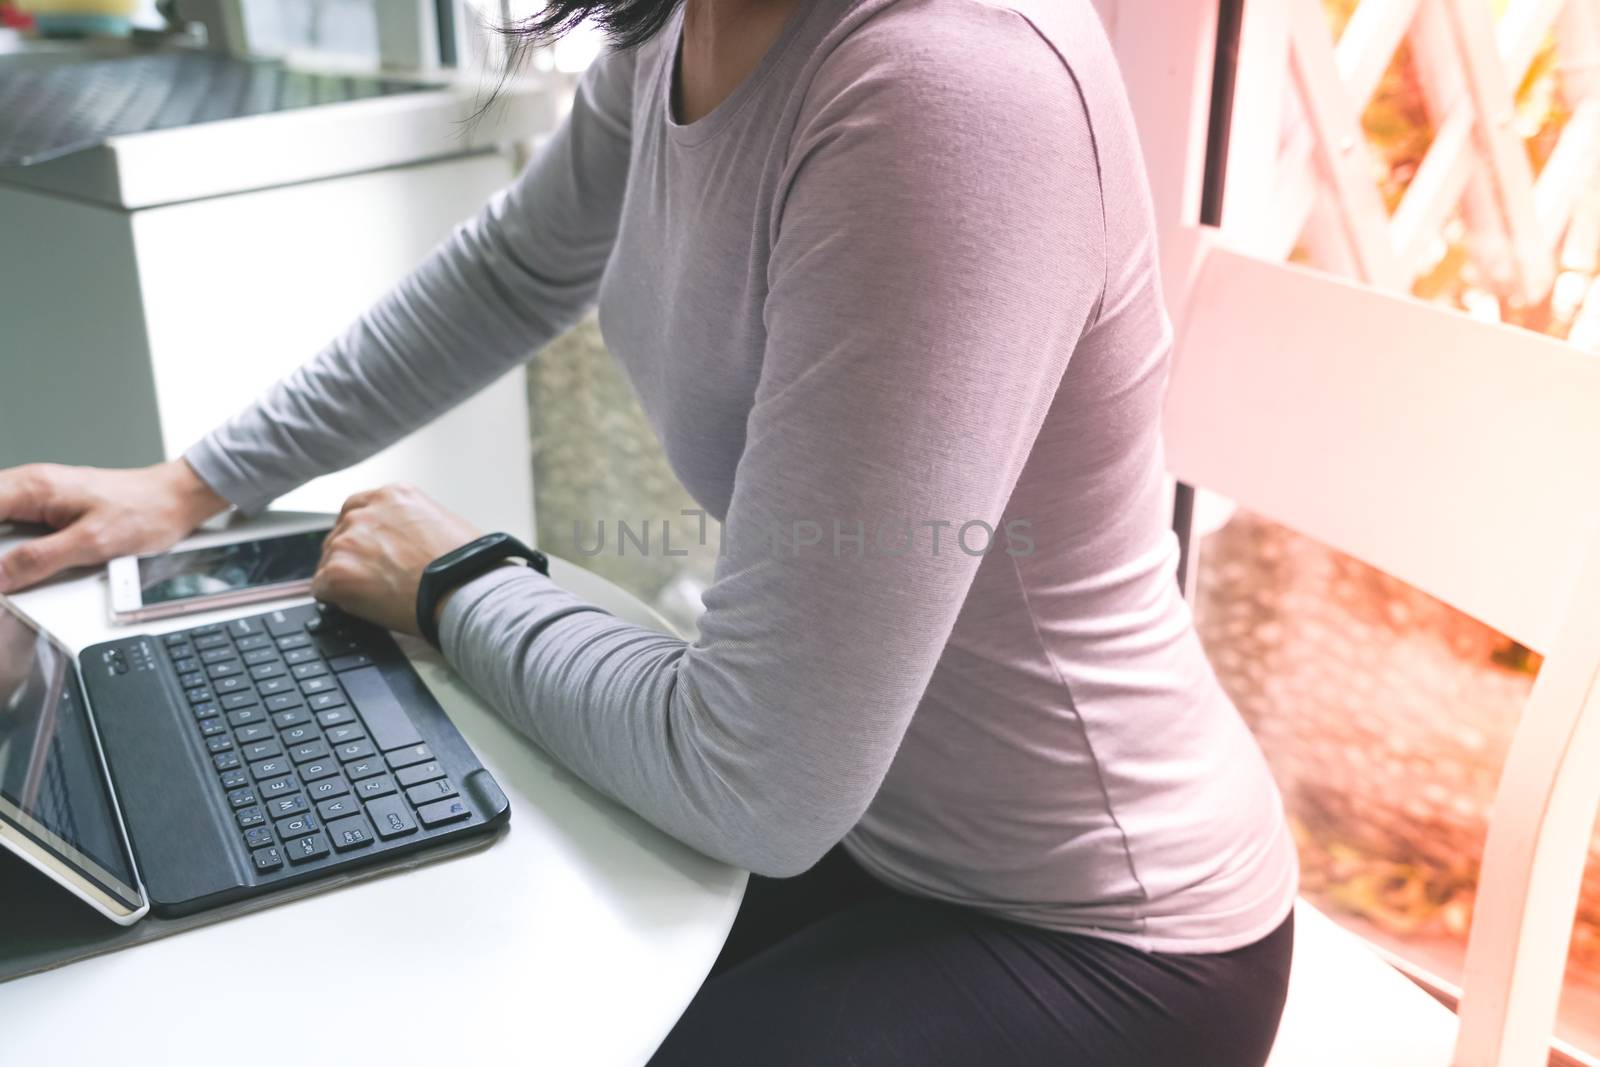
(504, 283)
(939, 251)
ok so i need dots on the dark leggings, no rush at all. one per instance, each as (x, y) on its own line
(835, 968)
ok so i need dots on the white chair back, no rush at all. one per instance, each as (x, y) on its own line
(1463, 458)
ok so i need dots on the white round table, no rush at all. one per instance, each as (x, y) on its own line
(578, 938)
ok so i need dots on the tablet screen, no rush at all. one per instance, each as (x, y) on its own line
(228, 568)
(53, 785)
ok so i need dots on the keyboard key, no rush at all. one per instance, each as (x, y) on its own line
(298, 826)
(355, 750)
(212, 728)
(246, 716)
(226, 669)
(266, 859)
(318, 769)
(206, 709)
(422, 772)
(210, 629)
(310, 751)
(349, 834)
(244, 627)
(324, 701)
(191, 679)
(267, 671)
(428, 792)
(185, 665)
(387, 722)
(200, 695)
(242, 798)
(327, 787)
(250, 644)
(236, 779)
(274, 686)
(339, 807)
(226, 761)
(409, 757)
(249, 734)
(234, 701)
(269, 768)
(340, 664)
(365, 768)
(306, 849)
(334, 645)
(258, 837)
(219, 743)
(299, 655)
(293, 641)
(317, 685)
(174, 639)
(444, 811)
(285, 621)
(284, 807)
(336, 717)
(341, 734)
(369, 788)
(312, 669)
(261, 750)
(283, 702)
(207, 642)
(299, 735)
(249, 817)
(277, 787)
(390, 818)
(231, 685)
(293, 717)
(218, 655)
(260, 656)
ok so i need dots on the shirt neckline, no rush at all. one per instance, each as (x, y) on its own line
(708, 125)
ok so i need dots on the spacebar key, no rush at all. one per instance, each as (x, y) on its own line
(386, 720)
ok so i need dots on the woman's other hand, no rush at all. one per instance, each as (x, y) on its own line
(97, 515)
(373, 560)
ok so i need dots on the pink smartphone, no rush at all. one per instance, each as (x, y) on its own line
(215, 576)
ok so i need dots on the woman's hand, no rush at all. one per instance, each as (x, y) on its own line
(373, 560)
(98, 515)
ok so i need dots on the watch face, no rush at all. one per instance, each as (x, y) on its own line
(450, 559)
(483, 542)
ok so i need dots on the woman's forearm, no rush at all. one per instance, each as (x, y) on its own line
(501, 286)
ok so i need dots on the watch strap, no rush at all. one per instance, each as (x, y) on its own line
(459, 566)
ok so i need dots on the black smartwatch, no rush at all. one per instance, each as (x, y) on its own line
(462, 565)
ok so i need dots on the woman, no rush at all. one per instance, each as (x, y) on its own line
(883, 274)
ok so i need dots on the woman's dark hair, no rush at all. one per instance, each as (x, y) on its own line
(625, 22)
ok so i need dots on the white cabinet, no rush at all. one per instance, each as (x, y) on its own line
(131, 321)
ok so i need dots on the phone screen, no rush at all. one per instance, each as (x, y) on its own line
(229, 568)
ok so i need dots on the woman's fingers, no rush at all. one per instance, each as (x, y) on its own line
(98, 513)
(357, 500)
(340, 527)
(25, 492)
(342, 524)
(34, 561)
(35, 493)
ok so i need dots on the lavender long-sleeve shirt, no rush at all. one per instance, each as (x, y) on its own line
(901, 283)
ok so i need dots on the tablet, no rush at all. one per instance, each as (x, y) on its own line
(57, 808)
